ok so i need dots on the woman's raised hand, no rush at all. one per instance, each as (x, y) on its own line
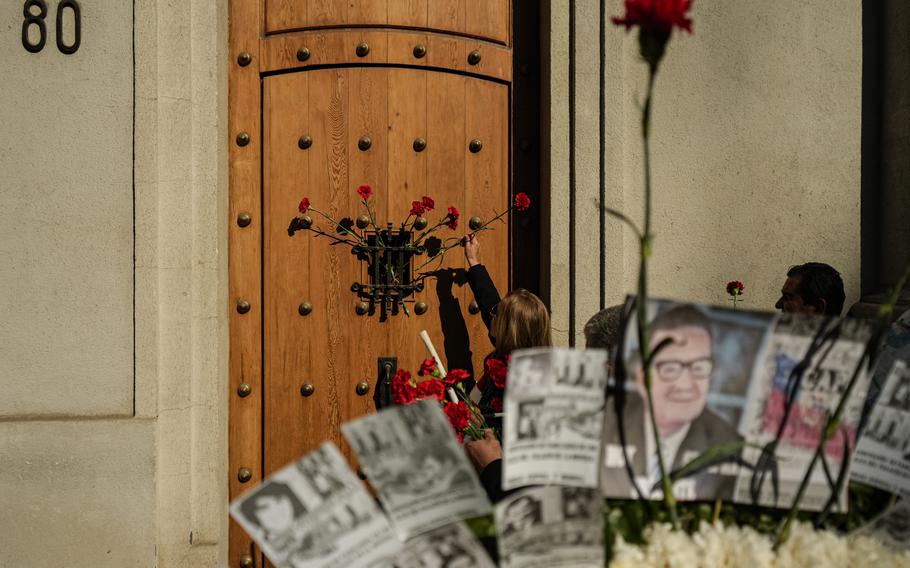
(472, 249)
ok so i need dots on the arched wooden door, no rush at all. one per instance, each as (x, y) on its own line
(333, 73)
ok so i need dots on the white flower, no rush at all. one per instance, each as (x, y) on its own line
(718, 546)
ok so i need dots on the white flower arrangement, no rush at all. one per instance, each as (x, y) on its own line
(719, 546)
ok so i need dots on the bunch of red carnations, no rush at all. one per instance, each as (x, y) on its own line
(448, 389)
(492, 384)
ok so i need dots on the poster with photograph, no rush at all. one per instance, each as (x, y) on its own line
(883, 452)
(701, 379)
(411, 456)
(892, 528)
(451, 546)
(551, 527)
(316, 513)
(828, 371)
(554, 417)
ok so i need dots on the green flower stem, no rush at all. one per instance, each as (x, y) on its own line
(366, 205)
(831, 425)
(337, 225)
(331, 236)
(431, 230)
(460, 393)
(642, 303)
(441, 254)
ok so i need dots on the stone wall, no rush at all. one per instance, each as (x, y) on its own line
(756, 152)
(113, 429)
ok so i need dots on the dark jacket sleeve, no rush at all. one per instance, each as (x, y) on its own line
(491, 479)
(485, 293)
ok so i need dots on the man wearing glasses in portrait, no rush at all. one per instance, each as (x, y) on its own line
(681, 375)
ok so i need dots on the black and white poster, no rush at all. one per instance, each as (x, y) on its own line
(423, 477)
(554, 417)
(883, 452)
(316, 513)
(451, 546)
(551, 527)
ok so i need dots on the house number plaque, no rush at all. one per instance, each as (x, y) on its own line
(34, 26)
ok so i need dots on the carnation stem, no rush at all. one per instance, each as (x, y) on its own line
(366, 205)
(642, 303)
(337, 225)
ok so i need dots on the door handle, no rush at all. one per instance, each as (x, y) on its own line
(385, 370)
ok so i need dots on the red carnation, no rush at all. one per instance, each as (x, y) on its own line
(658, 15)
(304, 205)
(404, 391)
(452, 218)
(522, 202)
(365, 192)
(427, 367)
(431, 388)
(417, 208)
(496, 404)
(735, 288)
(497, 370)
(456, 376)
(458, 414)
(428, 203)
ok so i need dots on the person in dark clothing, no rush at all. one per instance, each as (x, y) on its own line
(518, 321)
(812, 288)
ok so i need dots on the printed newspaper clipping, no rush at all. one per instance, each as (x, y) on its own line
(833, 355)
(450, 546)
(412, 458)
(883, 453)
(554, 417)
(550, 527)
(315, 513)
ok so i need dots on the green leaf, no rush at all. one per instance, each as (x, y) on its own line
(482, 527)
(718, 454)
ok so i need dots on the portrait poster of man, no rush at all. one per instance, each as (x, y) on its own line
(451, 546)
(315, 513)
(829, 366)
(550, 526)
(700, 379)
(412, 458)
(554, 417)
(883, 452)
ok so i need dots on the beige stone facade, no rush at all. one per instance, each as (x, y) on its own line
(756, 152)
(124, 463)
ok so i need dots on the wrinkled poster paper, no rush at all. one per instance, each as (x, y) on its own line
(450, 546)
(554, 417)
(722, 380)
(316, 513)
(883, 453)
(822, 387)
(551, 527)
(411, 456)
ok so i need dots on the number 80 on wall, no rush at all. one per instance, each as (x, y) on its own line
(37, 20)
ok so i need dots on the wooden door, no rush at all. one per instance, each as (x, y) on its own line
(294, 371)
(332, 348)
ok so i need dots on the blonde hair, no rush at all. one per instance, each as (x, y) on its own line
(522, 320)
